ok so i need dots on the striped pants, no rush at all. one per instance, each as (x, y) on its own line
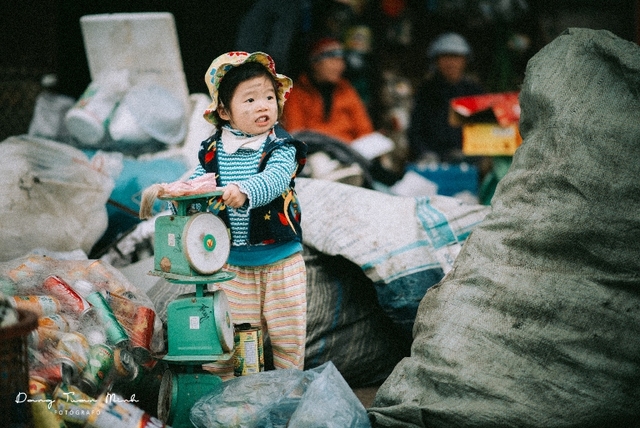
(273, 297)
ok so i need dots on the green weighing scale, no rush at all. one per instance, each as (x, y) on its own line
(191, 248)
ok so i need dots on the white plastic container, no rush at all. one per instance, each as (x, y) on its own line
(413, 184)
(50, 110)
(149, 112)
(123, 126)
(373, 145)
(87, 119)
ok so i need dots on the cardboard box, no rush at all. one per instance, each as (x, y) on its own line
(489, 123)
(486, 139)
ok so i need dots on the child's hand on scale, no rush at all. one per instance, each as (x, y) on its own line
(233, 197)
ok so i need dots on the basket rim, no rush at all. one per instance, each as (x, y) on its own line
(27, 321)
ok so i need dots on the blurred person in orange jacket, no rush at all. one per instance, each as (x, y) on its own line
(324, 101)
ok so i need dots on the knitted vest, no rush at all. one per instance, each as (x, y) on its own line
(279, 220)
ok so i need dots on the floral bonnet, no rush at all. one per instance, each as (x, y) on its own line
(221, 65)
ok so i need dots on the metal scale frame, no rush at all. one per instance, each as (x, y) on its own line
(191, 247)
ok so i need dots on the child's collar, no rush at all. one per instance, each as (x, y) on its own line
(237, 132)
(234, 139)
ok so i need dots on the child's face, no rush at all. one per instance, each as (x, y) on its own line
(253, 108)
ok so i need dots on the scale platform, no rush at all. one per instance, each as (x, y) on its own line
(220, 276)
(190, 199)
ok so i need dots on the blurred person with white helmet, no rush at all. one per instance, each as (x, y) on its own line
(430, 135)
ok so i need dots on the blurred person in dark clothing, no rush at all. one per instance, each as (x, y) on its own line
(430, 135)
(276, 27)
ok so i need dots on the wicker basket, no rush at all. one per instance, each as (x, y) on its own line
(14, 371)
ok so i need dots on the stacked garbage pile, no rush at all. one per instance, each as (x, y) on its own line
(96, 335)
(362, 299)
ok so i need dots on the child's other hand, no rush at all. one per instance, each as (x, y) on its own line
(233, 197)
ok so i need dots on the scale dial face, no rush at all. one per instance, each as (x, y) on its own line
(206, 243)
(224, 323)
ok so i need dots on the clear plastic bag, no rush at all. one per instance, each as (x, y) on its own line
(57, 291)
(291, 398)
(53, 196)
(329, 403)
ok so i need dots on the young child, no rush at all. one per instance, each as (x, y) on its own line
(256, 162)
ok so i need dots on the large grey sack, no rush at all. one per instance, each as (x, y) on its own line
(538, 323)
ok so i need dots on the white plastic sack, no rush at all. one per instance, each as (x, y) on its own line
(52, 196)
(403, 244)
(388, 236)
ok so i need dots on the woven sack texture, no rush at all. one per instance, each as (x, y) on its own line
(538, 322)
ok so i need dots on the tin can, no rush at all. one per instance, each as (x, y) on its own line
(112, 410)
(249, 350)
(99, 364)
(69, 371)
(129, 295)
(122, 307)
(260, 350)
(50, 373)
(121, 362)
(37, 388)
(75, 347)
(54, 322)
(50, 329)
(44, 412)
(67, 296)
(22, 272)
(125, 366)
(72, 404)
(41, 305)
(43, 338)
(142, 332)
(100, 273)
(116, 334)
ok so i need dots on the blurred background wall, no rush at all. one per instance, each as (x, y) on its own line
(39, 37)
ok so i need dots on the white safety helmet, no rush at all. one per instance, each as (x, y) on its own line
(449, 43)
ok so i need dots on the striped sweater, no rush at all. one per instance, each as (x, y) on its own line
(241, 168)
